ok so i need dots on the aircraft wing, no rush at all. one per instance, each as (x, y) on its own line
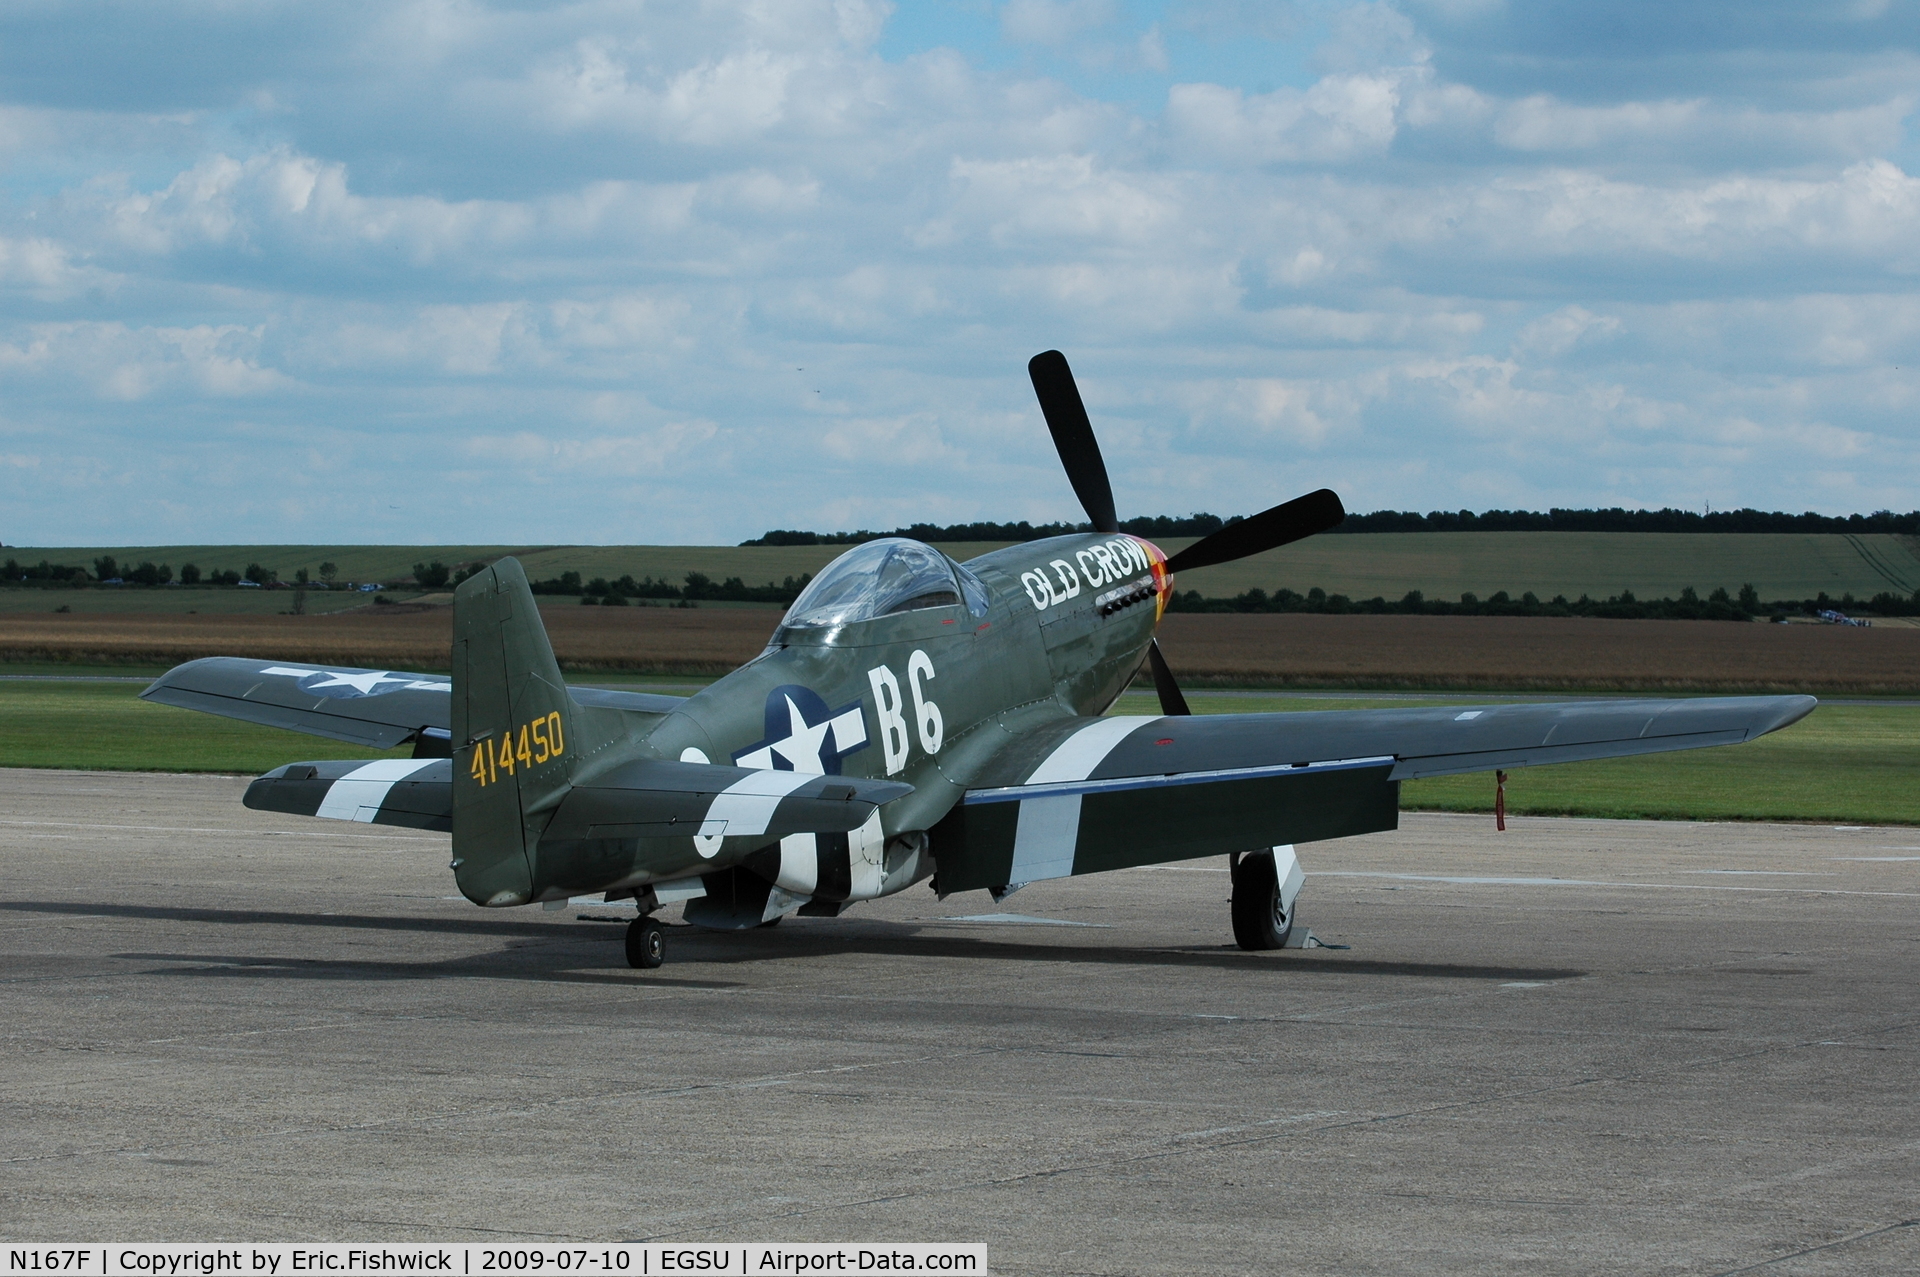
(376, 708)
(1087, 795)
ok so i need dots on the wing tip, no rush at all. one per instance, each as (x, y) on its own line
(1792, 710)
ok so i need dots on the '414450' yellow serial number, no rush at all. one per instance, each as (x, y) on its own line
(536, 742)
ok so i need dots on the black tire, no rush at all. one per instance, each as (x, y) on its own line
(1260, 921)
(646, 944)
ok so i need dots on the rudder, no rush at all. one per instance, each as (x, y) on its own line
(516, 735)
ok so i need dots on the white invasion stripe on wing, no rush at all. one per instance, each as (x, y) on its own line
(748, 804)
(1075, 757)
(358, 794)
(1048, 827)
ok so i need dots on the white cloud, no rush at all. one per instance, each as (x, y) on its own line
(113, 361)
(1339, 118)
(1554, 335)
(1054, 22)
(734, 260)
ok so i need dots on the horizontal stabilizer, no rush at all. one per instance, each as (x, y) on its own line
(376, 708)
(414, 792)
(652, 798)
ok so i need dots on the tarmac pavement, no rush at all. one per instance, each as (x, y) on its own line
(1576, 1047)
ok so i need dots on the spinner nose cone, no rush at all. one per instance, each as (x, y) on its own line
(1162, 579)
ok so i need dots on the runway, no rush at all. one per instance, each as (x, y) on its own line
(1576, 1047)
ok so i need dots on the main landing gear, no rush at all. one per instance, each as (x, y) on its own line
(646, 943)
(1265, 885)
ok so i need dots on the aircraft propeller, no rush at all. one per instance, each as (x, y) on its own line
(1073, 437)
(1079, 452)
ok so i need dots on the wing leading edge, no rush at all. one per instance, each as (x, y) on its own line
(1090, 795)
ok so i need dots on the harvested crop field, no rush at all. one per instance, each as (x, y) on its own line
(1263, 649)
(669, 640)
(1538, 652)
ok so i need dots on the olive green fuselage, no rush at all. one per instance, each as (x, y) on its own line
(938, 692)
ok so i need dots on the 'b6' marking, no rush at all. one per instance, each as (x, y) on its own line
(889, 708)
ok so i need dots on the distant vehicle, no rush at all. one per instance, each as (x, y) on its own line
(369, 589)
(113, 580)
(1831, 617)
(247, 585)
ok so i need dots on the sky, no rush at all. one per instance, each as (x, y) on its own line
(447, 271)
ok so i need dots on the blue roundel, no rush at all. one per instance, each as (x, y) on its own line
(804, 734)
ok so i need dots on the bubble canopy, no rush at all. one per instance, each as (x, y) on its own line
(881, 578)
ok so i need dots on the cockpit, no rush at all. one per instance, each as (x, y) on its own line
(882, 578)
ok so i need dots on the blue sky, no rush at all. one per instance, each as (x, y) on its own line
(449, 271)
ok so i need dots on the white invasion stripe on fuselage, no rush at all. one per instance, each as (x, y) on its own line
(799, 864)
(358, 794)
(1048, 827)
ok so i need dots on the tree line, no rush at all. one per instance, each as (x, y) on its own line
(109, 571)
(1613, 519)
(698, 587)
(1162, 525)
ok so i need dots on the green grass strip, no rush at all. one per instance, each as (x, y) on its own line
(1847, 764)
(107, 727)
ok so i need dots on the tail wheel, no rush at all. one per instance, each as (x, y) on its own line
(646, 944)
(1260, 917)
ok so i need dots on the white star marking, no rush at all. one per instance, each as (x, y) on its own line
(362, 683)
(802, 749)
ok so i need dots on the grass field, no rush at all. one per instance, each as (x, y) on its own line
(1440, 564)
(1599, 564)
(1850, 764)
(1856, 764)
(106, 727)
(1544, 653)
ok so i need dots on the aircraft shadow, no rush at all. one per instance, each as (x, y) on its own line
(691, 945)
(483, 967)
(472, 925)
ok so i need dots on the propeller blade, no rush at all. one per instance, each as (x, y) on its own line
(1073, 436)
(1171, 701)
(1300, 517)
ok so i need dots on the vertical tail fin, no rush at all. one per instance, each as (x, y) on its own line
(514, 735)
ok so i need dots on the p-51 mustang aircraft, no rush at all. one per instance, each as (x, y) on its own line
(912, 718)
